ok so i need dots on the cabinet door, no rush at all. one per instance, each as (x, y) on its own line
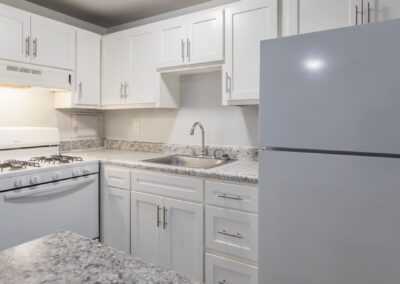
(147, 227)
(171, 36)
(247, 24)
(142, 69)
(14, 34)
(318, 15)
(53, 43)
(205, 40)
(116, 216)
(112, 86)
(184, 243)
(381, 10)
(87, 68)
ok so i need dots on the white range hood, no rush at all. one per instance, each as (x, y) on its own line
(19, 74)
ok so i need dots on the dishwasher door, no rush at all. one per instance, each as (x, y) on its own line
(33, 212)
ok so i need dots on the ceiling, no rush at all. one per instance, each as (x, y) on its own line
(108, 13)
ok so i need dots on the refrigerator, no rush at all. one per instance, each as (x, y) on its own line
(329, 176)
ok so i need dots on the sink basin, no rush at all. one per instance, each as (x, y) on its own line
(189, 161)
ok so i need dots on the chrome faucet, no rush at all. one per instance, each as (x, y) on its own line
(204, 151)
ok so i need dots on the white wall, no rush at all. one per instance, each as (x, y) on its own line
(32, 107)
(200, 101)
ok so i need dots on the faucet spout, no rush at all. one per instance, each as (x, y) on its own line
(204, 151)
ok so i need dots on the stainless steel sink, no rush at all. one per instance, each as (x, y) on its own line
(189, 161)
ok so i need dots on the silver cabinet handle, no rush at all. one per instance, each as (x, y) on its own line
(126, 89)
(369, 13)
(80, 90)
(35, 41)
(28, 46)
(362, 12)
(158, 216)
(164, 218)
(227, 83)
(122, 90)
(237, 235)
(222, 282)
(227, 196)
(356, 15)
(188, 48)
(183, 50)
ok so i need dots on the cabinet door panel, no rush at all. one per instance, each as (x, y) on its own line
(87, 68)
(14, 31)
(205, 37)
(142, 69)
(184, 238)
(116, 218)
(246, 26)
(172, 42)
(382, 10)
(53, 43)
(146, 231)
(112, 69)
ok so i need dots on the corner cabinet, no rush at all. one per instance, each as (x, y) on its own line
(192, 39)
(246, 24)
(129, 74)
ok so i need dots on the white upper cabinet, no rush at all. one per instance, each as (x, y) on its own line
(205, 39)
(247, 24)
(141, 65)
(113, 83)
(380, 10)
(192, 39)
(53, 43)
(171, 37)
(87, 70)
(14, 34)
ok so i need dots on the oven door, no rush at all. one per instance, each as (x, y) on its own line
(33, 212)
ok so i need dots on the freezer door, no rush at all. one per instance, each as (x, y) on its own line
(329, 219)
(334, 90)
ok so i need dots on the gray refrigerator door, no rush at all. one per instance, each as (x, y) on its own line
(329, 219)
(334, 90)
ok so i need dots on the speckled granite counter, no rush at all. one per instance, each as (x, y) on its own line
(238, 171)
(68, 258)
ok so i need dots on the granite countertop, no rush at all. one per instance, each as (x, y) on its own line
(238, 171)
(66, 257)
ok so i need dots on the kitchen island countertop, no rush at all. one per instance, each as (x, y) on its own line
(66, 257)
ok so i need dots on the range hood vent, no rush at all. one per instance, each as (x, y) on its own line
(24, 75)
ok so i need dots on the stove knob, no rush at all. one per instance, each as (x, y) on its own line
(20, 182)
(76, 172)
(86, 171)
(35, 179)
(57, 176)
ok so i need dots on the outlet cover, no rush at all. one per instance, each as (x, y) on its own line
(136, 127)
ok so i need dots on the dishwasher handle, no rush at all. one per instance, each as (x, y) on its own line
(49, 189)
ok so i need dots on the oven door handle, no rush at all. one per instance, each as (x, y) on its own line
(49, 189)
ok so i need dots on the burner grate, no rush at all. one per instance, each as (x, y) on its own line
(57, 158)
(14, 165)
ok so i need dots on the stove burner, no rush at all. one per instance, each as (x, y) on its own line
(14, 165)
(56, 158)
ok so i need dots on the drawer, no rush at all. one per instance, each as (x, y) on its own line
(221, 270)
(168, 185)
(232, 196)
(232, 232)
(117, 177)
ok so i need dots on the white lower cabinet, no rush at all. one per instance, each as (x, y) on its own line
(115, 218)
(221, 270)
(166, 231)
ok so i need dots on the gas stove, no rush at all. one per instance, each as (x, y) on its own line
(39, 187)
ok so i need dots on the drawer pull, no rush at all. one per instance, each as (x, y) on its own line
(237, 235)
(222, 282)
(235, 197)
